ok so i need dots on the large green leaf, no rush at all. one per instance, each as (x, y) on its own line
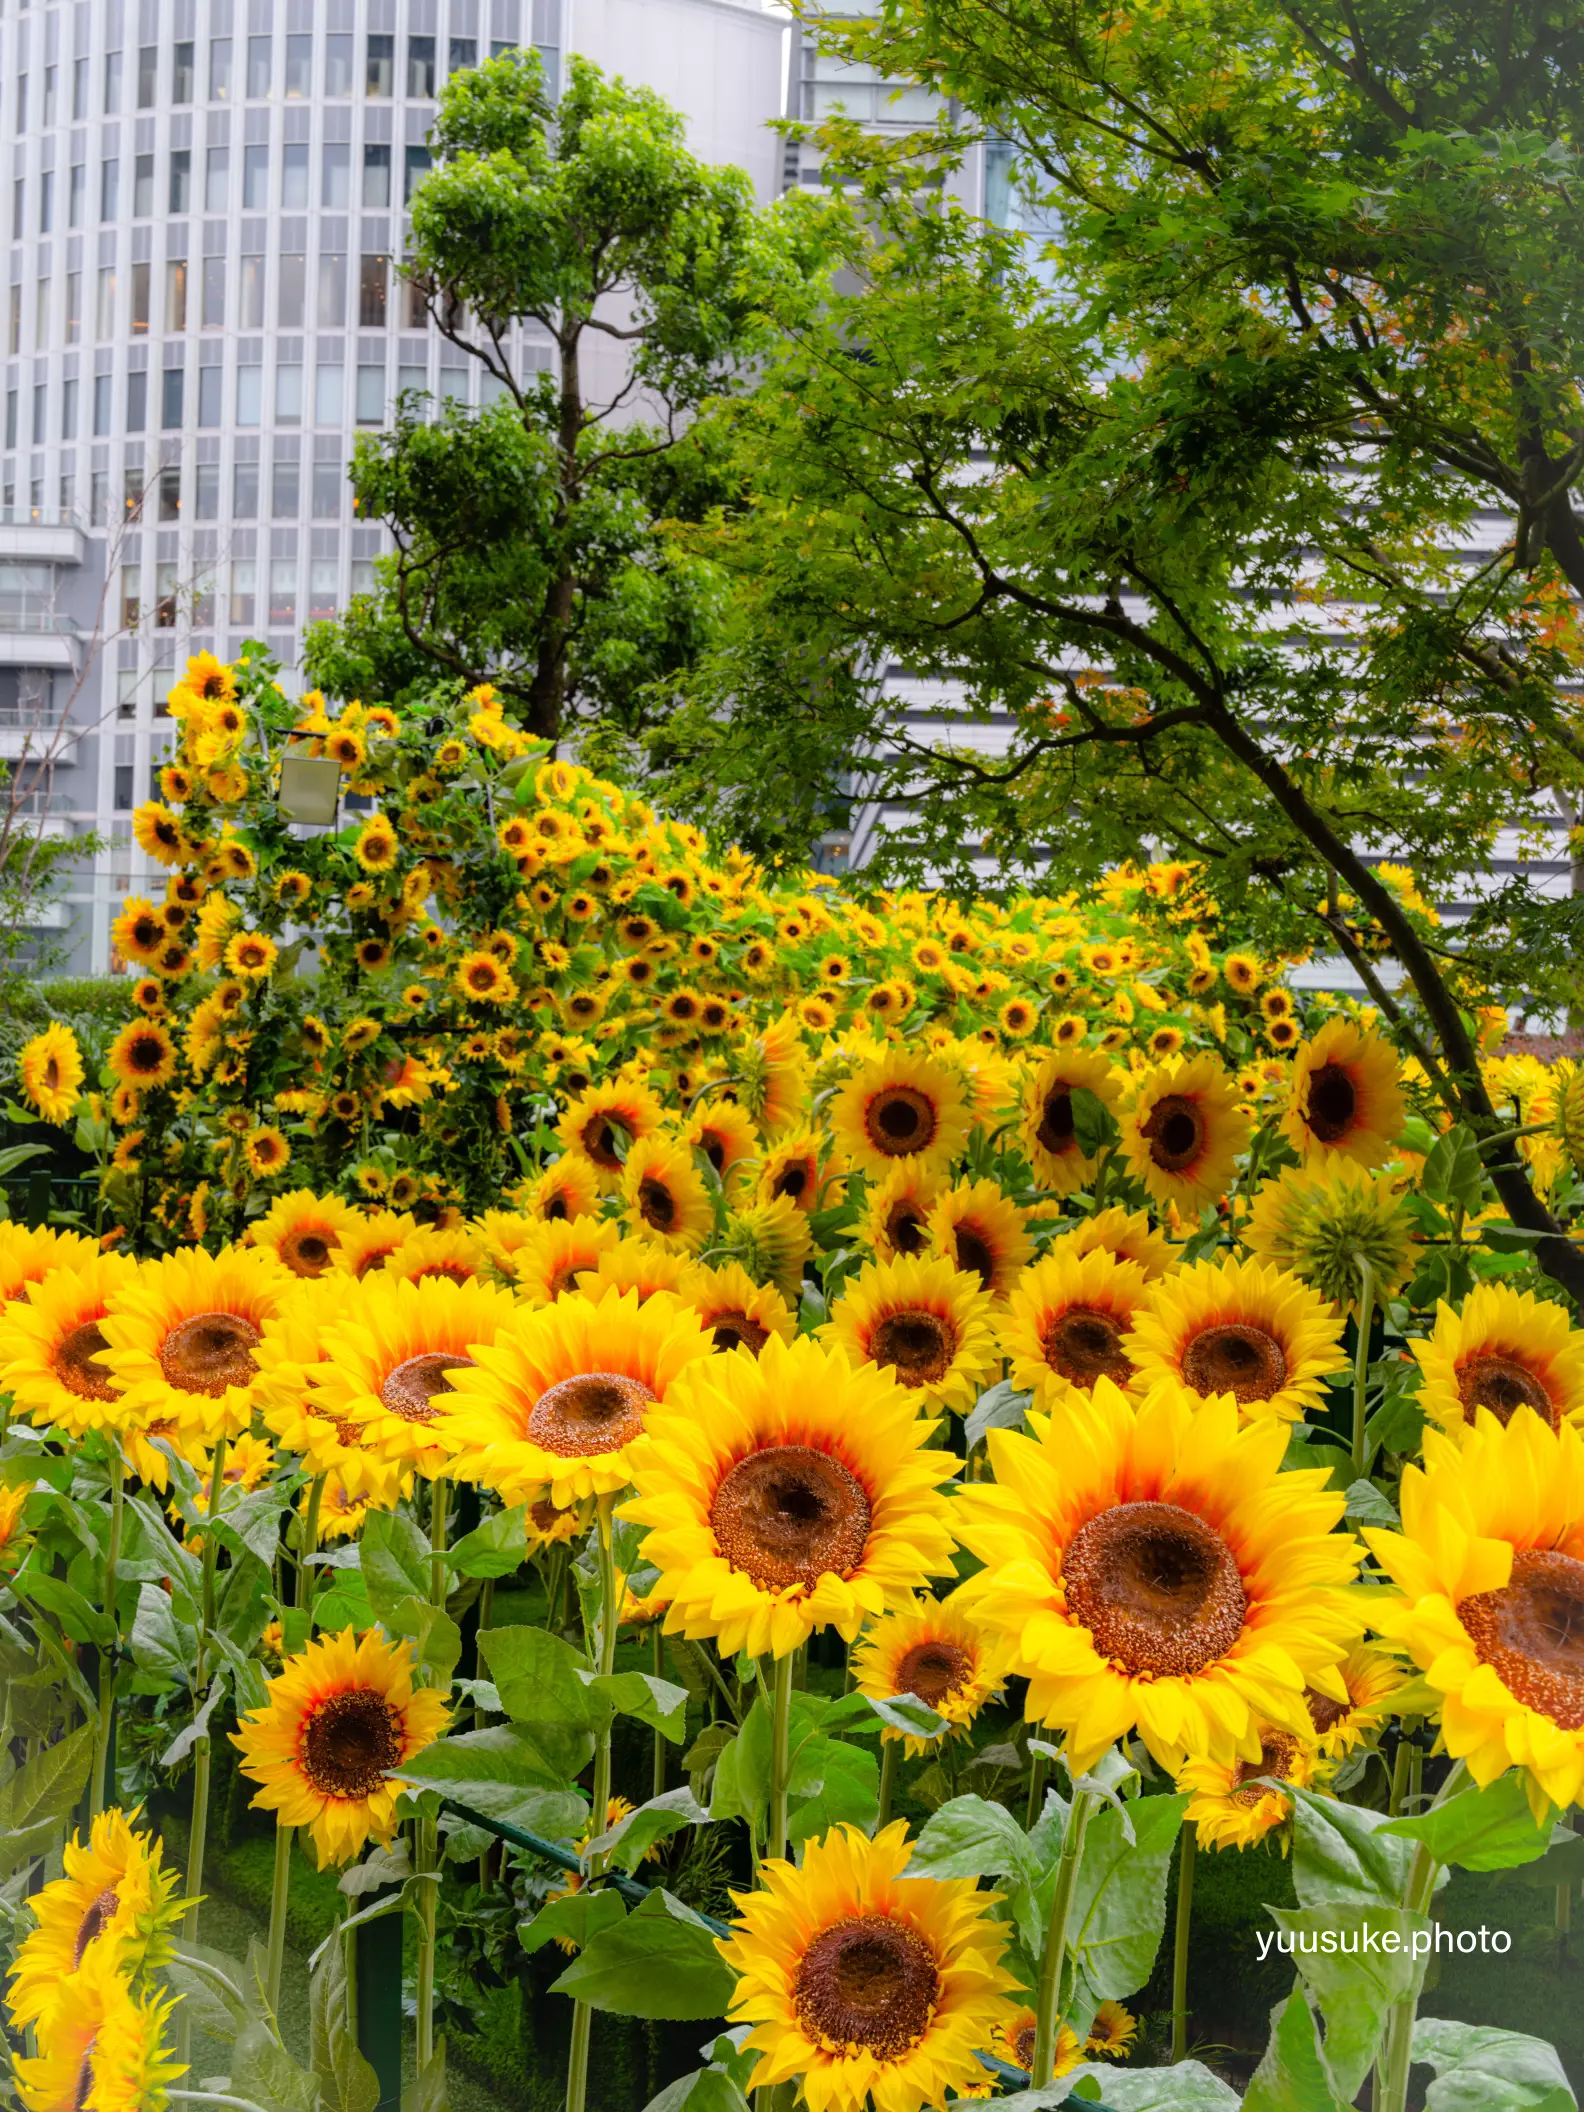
(630, 1840)
(1356, 1963)
(83, 1622)
(346, 2081)
(46, 1789)
(1187, 2087)
(395, 1561)
(1481, 2069)
(502, 1769)
(1341, 1855)
(1292, 2075)
(660, 1962)
(574, 1919)
(541, 1679)
(1119, 1899)
(971, 1837)
(655, 1701)
(496, 1548)
(705, 2090)
(830, 1783)
(1480, 1829)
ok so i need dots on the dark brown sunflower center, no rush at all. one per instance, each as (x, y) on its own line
(546, 1515)
(556, 1208)
(788, 1515)
(657, 1205)
(900, 1120)
(715, 1152)
(918, 1346)
(870, 1983)
(412, 1389)
(1324, 1713)
(975, 1255)
(375, 1259)
(1176, 1132)
(1531, 1634)
(1083, 1345)
(1278, 1752)
(77, 1364)
(1023, 2044)
(595, 1411)
(349, 1742)
(1333, 1103)
(933, 1669)
(306, 1252)
(1236, 1358)
(734, 1330)
(905, 1228)
(1056, 1127)
(94, 1923)
(1503, 1385)
(599, 1141)
(1156, 1587)
(209, 1352)
(792, 1181)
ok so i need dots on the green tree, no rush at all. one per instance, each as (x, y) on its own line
(1171, 496)
(529, 546)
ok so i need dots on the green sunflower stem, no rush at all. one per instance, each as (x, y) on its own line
(428, 1900)
(1047, 2011)
(1036, 1793)
(99, 1789)
(780, 1756)
(308, 1545)
(1188, 1856)
(439, 1492)
(201, 1746)
(1396, 2057)
(280, 1889)
(889, 1750)
(610, 1612)
(1400, 1759)
(1366, 1315)
(658, 1780)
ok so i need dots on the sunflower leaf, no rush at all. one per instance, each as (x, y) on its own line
(999, 1407)
(660, 1961)
(1342, 1855)
(1481, 2069)
(396, 1561)
(1355, 1987)
(1480, 1829)
(1187, 2087)
(542, 1680)
(652, 1700)
(573, 1920)
(493, 1549)
(832, 1781)
(971, 1837)
(1293, 2075)
(46, 1787)
(1119, 1898)
(346, 2081)
(628, 1842)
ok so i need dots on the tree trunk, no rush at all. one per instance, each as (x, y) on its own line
(547, 694)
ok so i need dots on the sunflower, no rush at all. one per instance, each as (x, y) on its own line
(789, 1493)
(482, 979)
(725, 1133)
(896, 1212)
(341, 1511)
(1505, 1350)
(51, 1346)
(389, 1360)
(554, 1402)
(140, 933)
(1068, 1320)
(1182, 1132)
(1316, 1221)
(864, 1984)
(375, 846)
(15, 1540)
(982, 1232)
(429, 1252)
(1013, 2042)
(142, 1056)
(550, 1524)
(101, 2047)
(114, 1897)
(547, 1265)
(901, 1106)
(664, 1194)
(924, 1320)
(369, 1239)
(1229, 1806)
(640, 1265)
(266, 1152)
(251, 955)
(737, 1312)
(1373, 1679)
(1239, 1328)
(1345, 1099)
(181, 1334)
(50, 1068)
(294, 1347)
(1152, 1568)
(159, 833)
(791, 1167)
(1048, 1131)
(1111, 2033)
(1128, 1234)
(605, 1122)
(339, 1717)
(928, 1649)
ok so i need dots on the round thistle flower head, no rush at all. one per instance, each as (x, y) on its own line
(113, 1897)
(1152, 1569)
(1504, 1350)
(555, 1403)
(1183, 1131)
(929, 1649)
(1315, 1221)
(51, 1345)
(924, 1321)
(1345, 1099)
(1229, 1805)
(181, 1334)
(101, 2048)
(1068, 1320)
(866, 1985)
(789, 1493)
(50, 1070)
(1490, 1568)
(339, 1717)
(901, 1106)
(1237, 1328)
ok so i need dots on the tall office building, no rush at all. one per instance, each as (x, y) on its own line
(204, 220)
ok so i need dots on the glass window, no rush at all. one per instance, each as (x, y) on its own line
(250, 394)
(18, 208)
(137, 402)
(10, 438)
(69, 391)
(41, 314)
(203, 602)
(209, 380)
(132, 493)
(109, 188)
(370, 395)
(286, 487)
(421, 67)
(47, 202)
(258, 66)
(181, 180)
(170, 492)
(418, 164)
(77, 195)
(245, 491)
(409, 378)
(219, 69)
(131, 602)
(99, 498)
(217, 179)
(289, 290)
(332, 303)
(252, 316)
(214, 293)
(79, 91)
(176, 294)
(124, 787)
(140, 298)
(14, 319)
(329, 481)
(104, 322)
(323, 580)
(380, 74)
(362, 575)
(101, 422)
(143, 187)
(464, 53)
(182, 72)
(148, 75)
(283, 590)
(415, 304)
(373, 282)
(289, 394)
(376, 176)
(335, 185)
(171, 399)
(299, 66)
(165, 596)
(112, 83)
(51, 75)
(294, 179)
(329, 395)
(40, 414)
(21, 102)
(255, 179)
(244, 583)
(338, 66)
(206, 484)
(73, 307)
